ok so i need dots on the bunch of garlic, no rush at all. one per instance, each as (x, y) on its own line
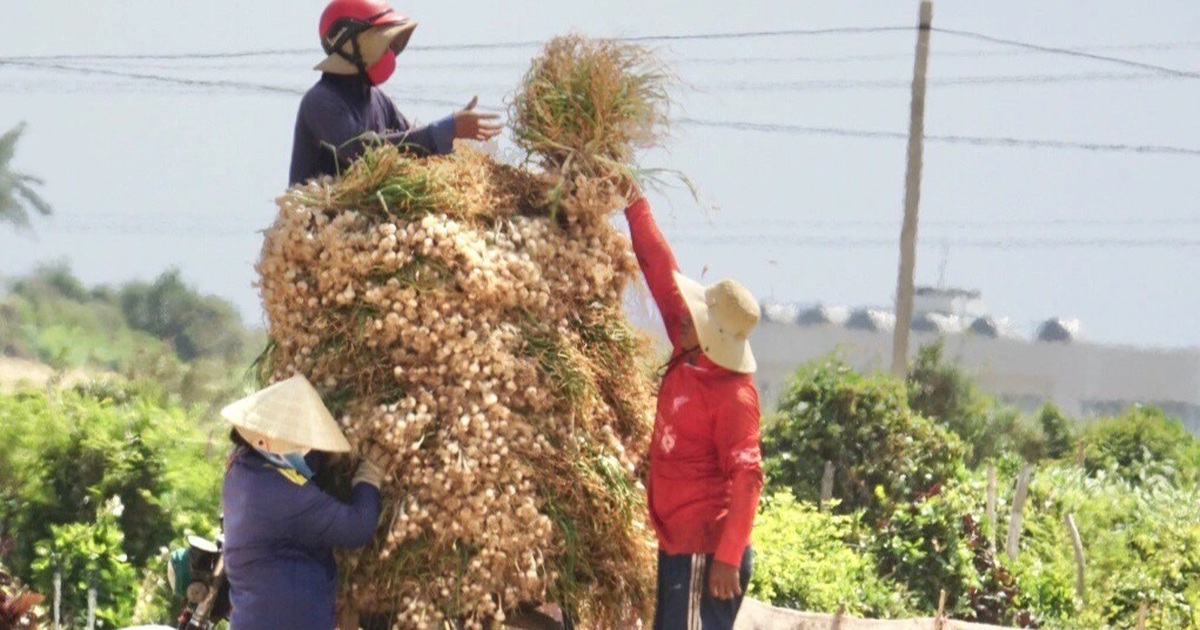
(431, 326)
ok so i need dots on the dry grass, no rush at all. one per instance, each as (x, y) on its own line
(587, 106)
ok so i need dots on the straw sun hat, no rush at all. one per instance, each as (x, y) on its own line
(724, 314)
(373, 42)
(288, 417)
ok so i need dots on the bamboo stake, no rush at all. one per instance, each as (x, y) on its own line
(991, 506)
(826, 485)
(1077, 542)
(58, 598)
(837, 618)
(1018, 509)
(91, 605)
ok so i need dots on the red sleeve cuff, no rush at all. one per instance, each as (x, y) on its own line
(730, 554)
(638, 206)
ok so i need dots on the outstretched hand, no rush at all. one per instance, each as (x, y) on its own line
(472, 125)
(628, 188)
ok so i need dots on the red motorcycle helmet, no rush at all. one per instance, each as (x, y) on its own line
(343, 21)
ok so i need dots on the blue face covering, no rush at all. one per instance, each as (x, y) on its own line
(290, 461)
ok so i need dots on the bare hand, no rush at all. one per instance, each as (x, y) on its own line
(629, 190)
(472, 125)
(724, 581)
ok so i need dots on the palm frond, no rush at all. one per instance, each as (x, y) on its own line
(8, 145)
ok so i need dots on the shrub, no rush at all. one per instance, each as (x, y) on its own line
(63, 454)
(1142, 545)
(947, 395)
(923, 545)
(196, 326)
(1142, 443)
(1058, 431)
(89, 555)
(882, 452)
(810, 560)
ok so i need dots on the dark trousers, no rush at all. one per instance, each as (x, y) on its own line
(684, 602)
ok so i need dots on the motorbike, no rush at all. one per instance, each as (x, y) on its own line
(197, 576)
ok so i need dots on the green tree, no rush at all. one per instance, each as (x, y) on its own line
(946, 394)
(18, 199)
(863, 425)
(89, 555)
(1141, 444)
(197, 326)
(1058, 430)
(64, 453)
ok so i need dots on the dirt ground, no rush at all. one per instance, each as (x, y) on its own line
(18, 373)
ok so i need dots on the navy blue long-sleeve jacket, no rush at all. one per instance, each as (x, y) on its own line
(280, 531)
(338, 111)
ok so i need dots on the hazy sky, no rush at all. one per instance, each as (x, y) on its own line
(145, 175)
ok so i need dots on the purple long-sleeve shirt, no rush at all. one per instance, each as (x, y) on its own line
(340, 115)
(280, 531)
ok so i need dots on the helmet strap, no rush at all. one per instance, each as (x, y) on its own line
(351, 29)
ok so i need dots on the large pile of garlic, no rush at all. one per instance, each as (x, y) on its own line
(483, 344)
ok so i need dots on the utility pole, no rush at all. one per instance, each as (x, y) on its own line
(912, 198)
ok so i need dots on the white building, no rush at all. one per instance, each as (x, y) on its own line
(1084, 379)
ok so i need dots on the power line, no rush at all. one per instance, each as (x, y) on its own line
(211, 83)
(1069, 52)
(722, 124)
(734, 60)
(941, 54)
(206, 229)
(853, 30)
(737, 86)
(207, 83)
(947, 139)
(976, 243)
(1074, 222)
(1027, 47)
(841, 84)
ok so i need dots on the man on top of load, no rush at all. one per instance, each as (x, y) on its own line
(345, 111)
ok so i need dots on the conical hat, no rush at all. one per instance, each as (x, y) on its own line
(289, 411)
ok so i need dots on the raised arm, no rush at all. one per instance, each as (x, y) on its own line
(658, 265)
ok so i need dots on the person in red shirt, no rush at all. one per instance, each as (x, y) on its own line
(705, 473)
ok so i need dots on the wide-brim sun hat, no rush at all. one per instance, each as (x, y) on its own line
(291, 415)
(372, 42)
(724, 313)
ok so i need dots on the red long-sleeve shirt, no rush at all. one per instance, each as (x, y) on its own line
(705, 464)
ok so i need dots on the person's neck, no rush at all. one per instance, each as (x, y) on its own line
(349, 81)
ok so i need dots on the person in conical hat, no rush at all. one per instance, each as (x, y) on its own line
(280, 529)
(346, 110)
(705, 473)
